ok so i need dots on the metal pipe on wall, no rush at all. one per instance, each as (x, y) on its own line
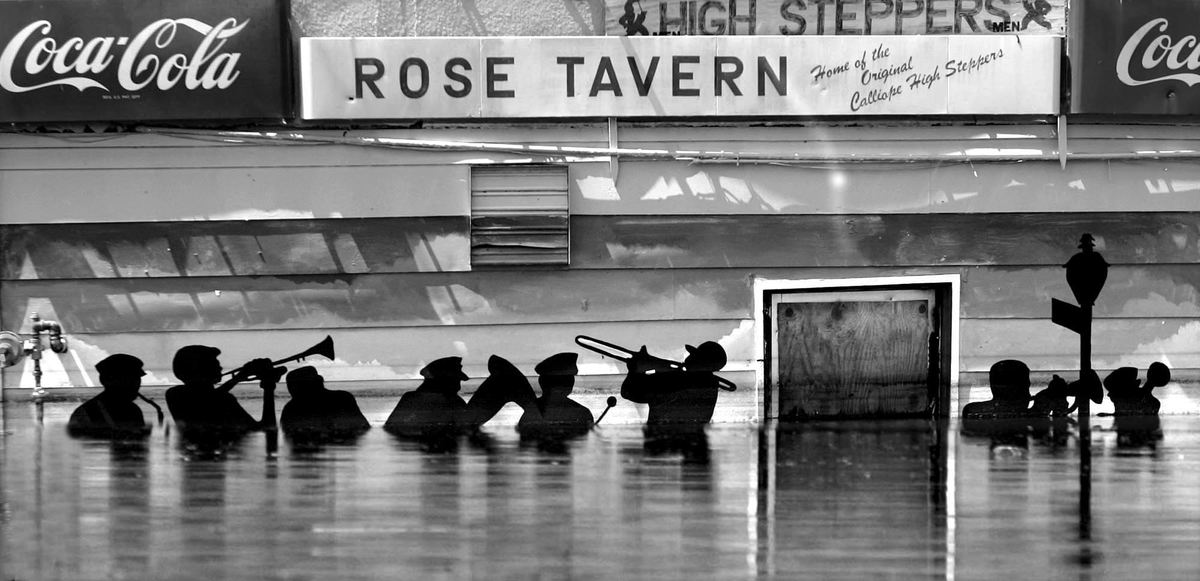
(662, 154)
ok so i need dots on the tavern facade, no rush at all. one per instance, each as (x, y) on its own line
(367, 185)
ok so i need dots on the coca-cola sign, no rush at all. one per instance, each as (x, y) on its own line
(119, 61)
(1150, 49)
(1136, 57)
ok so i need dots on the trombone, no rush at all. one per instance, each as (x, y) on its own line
(625, 354)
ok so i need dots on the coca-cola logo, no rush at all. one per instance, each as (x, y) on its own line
(33, 59)
(1151, 55)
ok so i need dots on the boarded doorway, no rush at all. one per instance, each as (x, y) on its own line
(858, 352)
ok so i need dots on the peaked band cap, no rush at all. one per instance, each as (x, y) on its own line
(559, 364)
(444, 368)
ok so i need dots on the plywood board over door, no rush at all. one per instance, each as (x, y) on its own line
(855, 353)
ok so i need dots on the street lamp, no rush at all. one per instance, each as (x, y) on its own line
(1086, 273)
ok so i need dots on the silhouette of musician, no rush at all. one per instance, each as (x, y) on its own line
(112, 413)
(435, 409)
(315, 410)
(1052, 401)
(200, 406)
(555, 412)
(1009, 382)
(1129, 396)
(676, 396)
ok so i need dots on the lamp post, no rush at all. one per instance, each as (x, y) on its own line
(1086, 273)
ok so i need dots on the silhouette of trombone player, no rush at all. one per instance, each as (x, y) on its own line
(555, 413)
(199, 406)
(112, 413)
(316, 411)
(436, 410)
(678, 394)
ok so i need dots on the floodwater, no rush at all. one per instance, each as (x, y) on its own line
(850, 500)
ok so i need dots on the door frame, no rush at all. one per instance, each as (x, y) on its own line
(946, 289)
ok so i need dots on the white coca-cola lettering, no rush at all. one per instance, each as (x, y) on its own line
(75, 60)
(1158, 51)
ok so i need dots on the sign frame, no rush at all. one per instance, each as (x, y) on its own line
(67, 61)
(656, 77)
(1112, 44)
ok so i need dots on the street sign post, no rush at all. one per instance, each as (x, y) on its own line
(1086, 273)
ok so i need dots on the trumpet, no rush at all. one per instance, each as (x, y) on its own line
(323, 348)
(656, 364)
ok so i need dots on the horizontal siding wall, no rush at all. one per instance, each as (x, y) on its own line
(234, 248)
(145, 243)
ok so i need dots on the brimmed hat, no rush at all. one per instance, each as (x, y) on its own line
(444, 368)
(120, 364)
(306, 373)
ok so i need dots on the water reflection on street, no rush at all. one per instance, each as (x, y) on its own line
(853, 500)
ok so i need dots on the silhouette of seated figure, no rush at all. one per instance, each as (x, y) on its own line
(316, 411)
(555, 413)
(1129, 397)
(1009, 382)
(675, 396)
(435, 408)
(199, 406)
(112, 413)
(1052, 401)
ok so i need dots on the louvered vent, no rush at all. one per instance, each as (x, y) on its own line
(520, 215)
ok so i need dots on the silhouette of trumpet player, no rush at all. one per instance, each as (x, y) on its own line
(112, 413)
(677, 394)
(200, 406)
(435, 409)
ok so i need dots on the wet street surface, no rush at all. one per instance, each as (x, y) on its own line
(849, 500)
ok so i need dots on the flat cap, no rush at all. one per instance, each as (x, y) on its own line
(120, 364)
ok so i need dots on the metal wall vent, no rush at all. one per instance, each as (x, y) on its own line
(520, 215)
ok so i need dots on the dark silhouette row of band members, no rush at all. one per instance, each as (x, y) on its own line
(1013, 418)
(1010, 384)
(681, 395)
